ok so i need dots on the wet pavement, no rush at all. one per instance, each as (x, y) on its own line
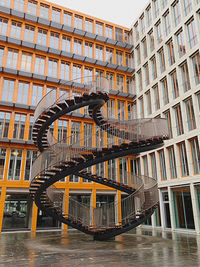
(141, 248)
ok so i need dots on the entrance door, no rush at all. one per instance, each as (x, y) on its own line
(167, 220)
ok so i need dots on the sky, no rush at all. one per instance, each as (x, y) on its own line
(122, 12)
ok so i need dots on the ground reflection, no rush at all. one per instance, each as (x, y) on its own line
(137, 248)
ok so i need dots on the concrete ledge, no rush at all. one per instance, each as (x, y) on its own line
(3, 38)
(66, 54)
(31, 17)
(56, 25)
(101, 63)
(11, 71)
(65, 82)
(41, 47)
(111, 41)
(112, 92)
(16, 13)
(78, 57)
(120, 44)
(14, 41)
(28, 44)
(5, 103)
(130, 70)
(79, 32)
(122, 68)
(39, 77)
(101, 38)
(17, 105)
(128, 46)
(4, 9)
(24, 73)
(79, 85)
(90, 35)
(52, 79)
(90, 60)
(54, 51)
(112, 66)
(67, 28)
(44, 21)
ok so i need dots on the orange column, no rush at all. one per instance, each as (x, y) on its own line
(2, 203)
(66, 206)
(34, 218)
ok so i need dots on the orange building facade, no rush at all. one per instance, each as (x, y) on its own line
(44, 47)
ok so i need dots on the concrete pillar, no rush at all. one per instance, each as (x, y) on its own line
(195, 207)
(171, 208)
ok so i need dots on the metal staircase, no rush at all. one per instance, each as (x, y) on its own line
(60, 159)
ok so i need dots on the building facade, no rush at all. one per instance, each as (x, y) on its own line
(166, 40)
(43, 47)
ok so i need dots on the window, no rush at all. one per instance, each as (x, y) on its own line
(174, 83)
(165, 91)
(168, 117)
(129, 60)
(67, 18)
(4, 124)
(109, 55)
(111, 108)
(64, 74)
(66, 43)
(99, 52)
(29, 33)
(30, 127)
(142, 24)
(3, 26)
(62, 130)
(36, 94)
(1, 55)
(120, 83)
(2, 161)
(118, 34)
(88, 49)
(44, 11)
(183, 159)
(120, 108)
(164, 3)
(161, 60)
(144, 42)
(15, 30)
(154, 68)
(159, 32)
(42, 37)
(8, 89)
(172, 162)
(31, 155)
(190, 114)
(129, 85)
(167, 21)
(181, 44)
(185, 77)
(177, 13)
(110, 78)
(156, 98)
(156, 8)
(130, 111)
(54, 40)
(139, 76)
(149, 16)
(26, 62)
(32, 7)
(119, 58)
(196, 67)
(39, 65)
(78, 46)
(187, 6)
(146, 71)
(178, 119)
(51, 91)
(151, 40)
(194, 144)
(15, 164)
(56, 15)
(163, 173)
(76, 72)
(5, 3)
(88, 25)
(141, 103)
(198, 99)
(78, 22)
(22, 93)
(138, 55)
(171, 55)
(52, 68)
(99, 78)
(19, 5)
(192, 33)
(148, 101)
(88, 75)
(75, 132)
(109, 32)
(12, 59)
(87, 135)
(153, 165)
(145, 163)
(19, 126)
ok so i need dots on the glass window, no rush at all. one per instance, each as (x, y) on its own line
(1, 55)
(39, 64)
(185, 77)
(2, 161)
(118, 34)
(129, 85)
(19, 126)
(67, 19)
(36, 94)
(62, 130)
(196, 67)
(187, 6)
(8, 89)
(3, 26)
(88, 75)
(162, 165)
(151, 40)
(78, 46)
(156, 98)
(159, 32)
(22, 93)
(99, 52)
(142, 24)
(178, 119)
(146, 72)
(153, 165)
(52, 67)
(32, 7)
(99, 28)
(54, 40)
(44, 11)
(88, 25)
(144, 42)
(156, 8)
(66, 43)
(149, 15)
(138, 55)
(120, 112)
(146, 170)
(15, 161)
(141, 103)
(168, 117)
(15, 30)
(78, 22)
(181, 44)
(111, 108)
(177, 13)
(172, 162)
(148, 101)
(4, 124)
(76, 72)
(19, 5)
(153, 68)
(64, 70)
(192, 33)
(109, 55)
(120, 83)
(29, 33)
(26, 62)
(88, 49)
(171, 54)
(42, 37)
(99, 78)
(12, 59)
(110, 78)
(174, 84)
(167, 21)
(165, 91)
(130, 111)
(194, 144)
(75, 132)
(31, 155)
(55, 15)
(31, 117)
(109, 32)
(183, 159)
(87, 135)
(190, 114)
(129, 60)
(139, 76)
(161, 60)
(5, 3)
(119, 58)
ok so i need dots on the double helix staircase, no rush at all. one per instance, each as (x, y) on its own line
(58, 160)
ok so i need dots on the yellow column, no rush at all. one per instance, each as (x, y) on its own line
(119, 208)
(34, 218)
(93, 206)
(66, 206)
(2, 203)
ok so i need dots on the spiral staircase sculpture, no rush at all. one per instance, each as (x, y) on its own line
(60, 159)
